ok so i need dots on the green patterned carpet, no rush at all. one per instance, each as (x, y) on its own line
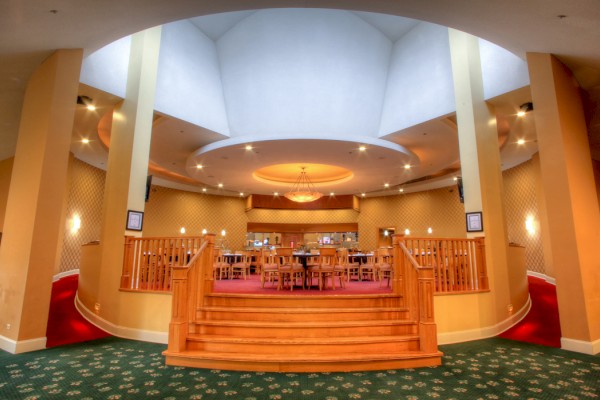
(114, 368)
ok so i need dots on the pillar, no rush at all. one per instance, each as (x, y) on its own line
(128, 158)
(33, 224)
(573, 216)
(480, 163)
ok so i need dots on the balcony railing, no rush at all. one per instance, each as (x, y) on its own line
(148, 262)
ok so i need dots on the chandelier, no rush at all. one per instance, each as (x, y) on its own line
(303, 191)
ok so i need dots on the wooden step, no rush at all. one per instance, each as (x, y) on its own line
(303, 362)
(332, 328)
(292, 314)
(312, 301)
(304, 345)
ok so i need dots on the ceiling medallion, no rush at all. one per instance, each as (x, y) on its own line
(303, 190)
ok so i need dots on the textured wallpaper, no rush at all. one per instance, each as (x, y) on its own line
(86, 192)
(520, 203)
(169, 210)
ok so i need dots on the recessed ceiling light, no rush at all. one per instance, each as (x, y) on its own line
(387, 185)
(363, 194)
(199, 166)
(407, 166)
(362, 148)
(332, 194)
(204, 189)
(220, 185)
(455, 178)
(91, 107)
(276, 194)
(521, 114)
(248, 147)
(521, 141)
(241, 193)
(85, 140)
(401, 190)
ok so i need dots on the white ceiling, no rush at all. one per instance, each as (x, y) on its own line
(29, 31)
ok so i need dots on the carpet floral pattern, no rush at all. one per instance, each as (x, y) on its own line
(114, 368)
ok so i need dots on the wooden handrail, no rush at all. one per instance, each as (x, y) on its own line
(148, 262)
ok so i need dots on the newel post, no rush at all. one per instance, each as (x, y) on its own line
(427, 326)
(205, 270)
(482, 275)
(178, 327)
(127, 262)
(398, 275)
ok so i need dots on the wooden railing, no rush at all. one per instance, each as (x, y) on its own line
(190, 284)
(458, 265)
(148, 262)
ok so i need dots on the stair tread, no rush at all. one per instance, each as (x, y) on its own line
(337, 357)
(304, 324)
(298, 310)
(302, 340)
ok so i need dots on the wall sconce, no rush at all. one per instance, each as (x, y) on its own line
(75, 224)
(204, 231)
(182, 230)
(407, 232)
(429, 230)
(530, 225)
(386, 233)
(223, 232)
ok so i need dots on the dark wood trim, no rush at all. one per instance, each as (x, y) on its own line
(280, 202)
(304, 228)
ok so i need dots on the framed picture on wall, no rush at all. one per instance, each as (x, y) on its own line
(135, 219)
(474, 222)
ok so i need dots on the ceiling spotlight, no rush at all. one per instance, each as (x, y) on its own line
(86, 101)
(363, 194)
(276, 194)
(521, 141)
(241, 193)
(362, 148)
(332, 194)
(401, 190)
(248, 147)
(204, 189)
(387, 185)
(525, 108)
(85, 140)
(199, 166)
(220, 185)
(406, 166)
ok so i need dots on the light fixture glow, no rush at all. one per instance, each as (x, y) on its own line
(223, 232)
(362, 148)
(248, 147)
(276, 194)
(387, 185)
(182, 230)
(204, 189)
(241, 193)
(530, 225)
(303, 190)
(521, 141)
(455, 178)
(199, 166)
(91, 107)
(401, 190)
(386, 233)
(363, 194)
(521, 114)
(406, 166)
(75, 224)
(85, 140)
(429, 230)
(332, 194)
(204, 231)
(407, 232)
(220, 185)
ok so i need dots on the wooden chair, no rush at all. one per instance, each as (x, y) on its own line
(325, 269)
(241, 268)
(383, 263)
(290, 269)
(270, 268)
(350, 269)
(367, 269)
(220, 266)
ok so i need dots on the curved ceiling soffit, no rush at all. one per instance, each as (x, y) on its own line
(104, 133)
(246, 139)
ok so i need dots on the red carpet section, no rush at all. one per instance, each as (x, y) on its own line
(541, 325)
(65, 324)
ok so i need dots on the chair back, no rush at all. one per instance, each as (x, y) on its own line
(327, 256)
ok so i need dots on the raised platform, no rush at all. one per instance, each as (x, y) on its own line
(302, 334)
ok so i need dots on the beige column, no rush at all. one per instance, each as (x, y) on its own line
(33, 222)
(571, 200)
(127, 166)
(480, 162)
(543, 215)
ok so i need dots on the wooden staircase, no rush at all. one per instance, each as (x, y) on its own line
(293, 333)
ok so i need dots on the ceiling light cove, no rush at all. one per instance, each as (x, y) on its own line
(320, 174)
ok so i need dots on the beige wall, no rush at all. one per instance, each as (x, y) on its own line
(168, 210)
(521, 202)
(86, 190)
(5, 173)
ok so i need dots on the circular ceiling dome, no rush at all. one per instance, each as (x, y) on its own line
(319, 174)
